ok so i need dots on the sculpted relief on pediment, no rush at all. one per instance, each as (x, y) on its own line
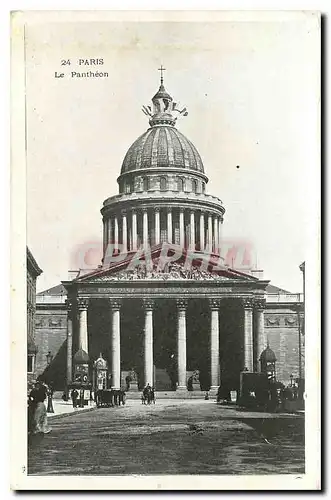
(171, 271)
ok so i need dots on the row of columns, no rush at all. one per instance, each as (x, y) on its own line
(148, 304)
(207, 238)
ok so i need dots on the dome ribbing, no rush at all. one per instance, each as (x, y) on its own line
(162, 147)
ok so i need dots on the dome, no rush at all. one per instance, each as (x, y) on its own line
(162, 147)
(81, 357)
(268, 356)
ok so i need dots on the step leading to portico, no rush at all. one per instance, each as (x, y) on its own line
(169, 395)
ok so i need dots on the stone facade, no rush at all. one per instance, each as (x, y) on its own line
(51, 335)
(280, 328)
(285, 334)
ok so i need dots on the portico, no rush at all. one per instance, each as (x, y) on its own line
(116, 292)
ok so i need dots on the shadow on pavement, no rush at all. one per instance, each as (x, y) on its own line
(281, 429)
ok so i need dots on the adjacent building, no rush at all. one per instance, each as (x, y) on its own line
(33, 271)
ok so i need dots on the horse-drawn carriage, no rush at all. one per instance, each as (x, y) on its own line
(106, 398)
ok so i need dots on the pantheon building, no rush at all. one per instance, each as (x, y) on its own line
(164, 303)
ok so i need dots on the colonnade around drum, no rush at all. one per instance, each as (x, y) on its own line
(189, 228)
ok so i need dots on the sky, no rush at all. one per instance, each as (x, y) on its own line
(252, 93)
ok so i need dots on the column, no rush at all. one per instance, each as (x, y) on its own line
(192, 231)
(145, 228)
(157, 226)
(248, 334)
(124, 232)
(181, 228)
(169, 225)
(83, 334)
(116, 233)
(104, 235)
(69, 343)
(260, 334)
(215, 235)
(214, 305)
(109, 231)
(181, 344)
(115, 306)
(210, 234)
(202, 231)
(219, 235)
(148, 342)
(129, 223)
(134, 230)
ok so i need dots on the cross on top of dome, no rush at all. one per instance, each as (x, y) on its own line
(163, 107)
(161, 69)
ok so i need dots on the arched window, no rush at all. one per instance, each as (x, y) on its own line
(163, 184)
(128, 187)
(145, 184)
(194, 186)
(180, 184)
(203, 187)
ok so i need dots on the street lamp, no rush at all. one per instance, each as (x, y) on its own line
(49, 358)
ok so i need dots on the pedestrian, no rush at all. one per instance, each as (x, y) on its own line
(147, 393)
(50, 391)
(39, 420)
(219, 395)
(122, 397)
(74, 396)
(32, 406)
(81, 398)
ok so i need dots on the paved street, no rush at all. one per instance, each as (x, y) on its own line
(170, 437)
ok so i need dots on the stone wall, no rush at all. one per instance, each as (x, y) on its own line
(167, 182)
(50, 335)
(282, 331)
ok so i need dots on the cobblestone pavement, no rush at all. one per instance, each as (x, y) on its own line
(170, 437)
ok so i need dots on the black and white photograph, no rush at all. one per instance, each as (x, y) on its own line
(165, 184)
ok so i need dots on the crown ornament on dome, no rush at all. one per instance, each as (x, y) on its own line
(163, 107)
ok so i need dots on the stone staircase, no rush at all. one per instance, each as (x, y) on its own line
(169, 395)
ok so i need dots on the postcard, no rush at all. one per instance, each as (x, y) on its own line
(165, 250)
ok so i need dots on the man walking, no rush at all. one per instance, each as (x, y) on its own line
(74, 396)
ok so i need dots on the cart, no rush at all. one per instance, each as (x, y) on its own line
(109, 398)
(104, 398)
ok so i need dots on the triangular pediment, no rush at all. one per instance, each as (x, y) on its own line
(159, 265)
